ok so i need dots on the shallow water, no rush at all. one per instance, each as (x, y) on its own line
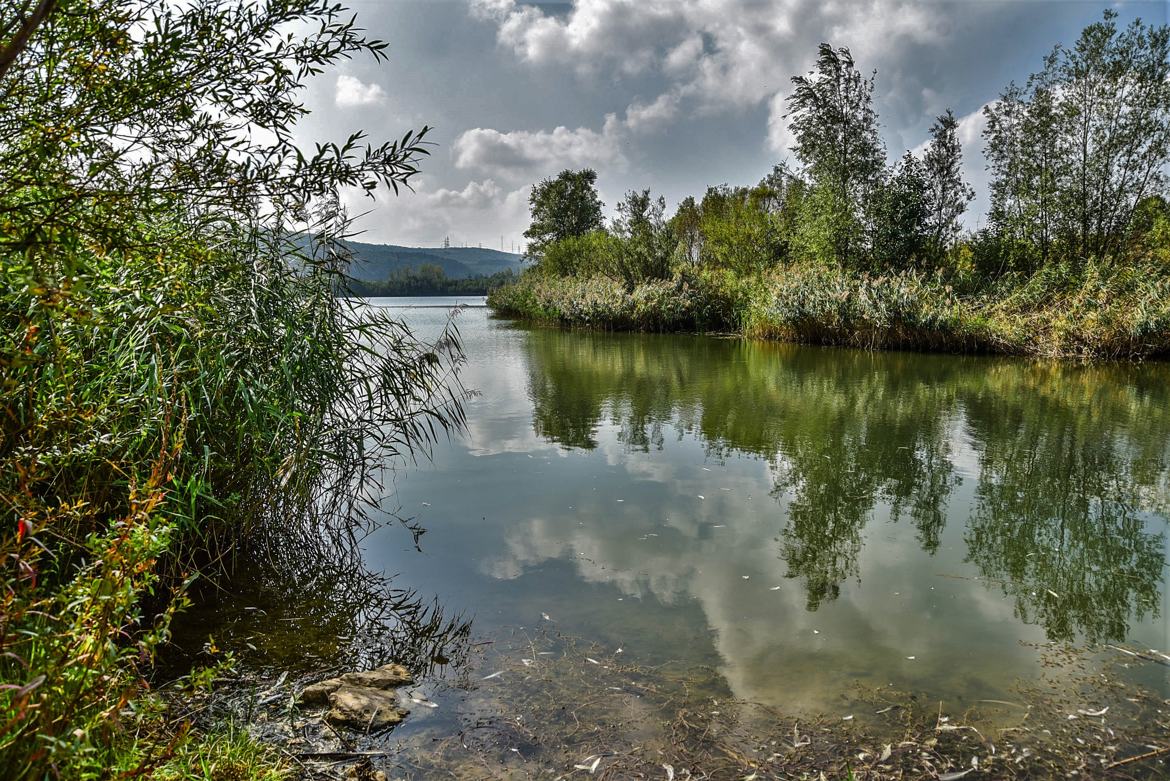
(800, 519)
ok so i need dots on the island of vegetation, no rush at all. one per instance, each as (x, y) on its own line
(1074, 259)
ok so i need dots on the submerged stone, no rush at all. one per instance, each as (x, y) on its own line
(362, 700)
(363, 707)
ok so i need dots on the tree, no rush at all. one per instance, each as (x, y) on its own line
(645, 239)
(831, 117)
(1075, 151)
(901, 216)
(739, 234)
(685, 227)
(947, 193)
(1022, 155)
(561, 207)
(1112, 101)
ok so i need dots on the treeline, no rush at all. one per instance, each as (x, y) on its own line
(846, 247)
(426, 280)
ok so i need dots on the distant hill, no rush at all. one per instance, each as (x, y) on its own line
(375, 262)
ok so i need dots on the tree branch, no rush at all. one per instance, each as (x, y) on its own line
(20, 41)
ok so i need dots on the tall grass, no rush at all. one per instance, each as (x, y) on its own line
(180, 390)
(161, 413)
(1103, 310)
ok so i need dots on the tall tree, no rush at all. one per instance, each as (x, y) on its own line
(1075, 151)
(646, 240)
(564, 206)
(685, 227)
(901, 216)
(947, 193)
(831, 116)
(1112, 91)
(1022, 150)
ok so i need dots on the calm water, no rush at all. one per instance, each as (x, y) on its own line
(800, 519)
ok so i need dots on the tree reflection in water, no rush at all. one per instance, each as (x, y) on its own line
(1069, 463)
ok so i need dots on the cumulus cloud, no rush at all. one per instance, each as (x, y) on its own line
(524, 154)
(723, 52)
(734, 54)
(645, 117)
(352, 92)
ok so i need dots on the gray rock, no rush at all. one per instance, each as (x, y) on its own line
(384, 677)
(318, 693)
(363, 707)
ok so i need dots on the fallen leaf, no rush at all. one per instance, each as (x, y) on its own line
(955, 776)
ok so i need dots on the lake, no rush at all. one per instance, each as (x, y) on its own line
(803, 520)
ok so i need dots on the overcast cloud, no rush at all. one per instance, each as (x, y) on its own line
(666, 94)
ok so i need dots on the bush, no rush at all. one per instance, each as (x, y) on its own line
(179, 384)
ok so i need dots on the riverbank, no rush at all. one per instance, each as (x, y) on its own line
(543, 704)
(1103, 312)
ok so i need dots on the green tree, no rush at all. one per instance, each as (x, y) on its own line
(1112, 102)
(739, 234)
(901, 213)
(564, 206)
(1022, 150)
(1076, 151)
(831, 116)
(646, 241)
(948, 195)
(685, 227)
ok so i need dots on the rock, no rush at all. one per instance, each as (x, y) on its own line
(363, 707)
(364, 771)
(318, 693)
(384, 677)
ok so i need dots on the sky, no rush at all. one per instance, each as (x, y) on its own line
(671, 95)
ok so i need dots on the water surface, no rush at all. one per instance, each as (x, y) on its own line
(801, 519)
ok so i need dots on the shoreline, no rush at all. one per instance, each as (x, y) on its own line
(831, 307)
